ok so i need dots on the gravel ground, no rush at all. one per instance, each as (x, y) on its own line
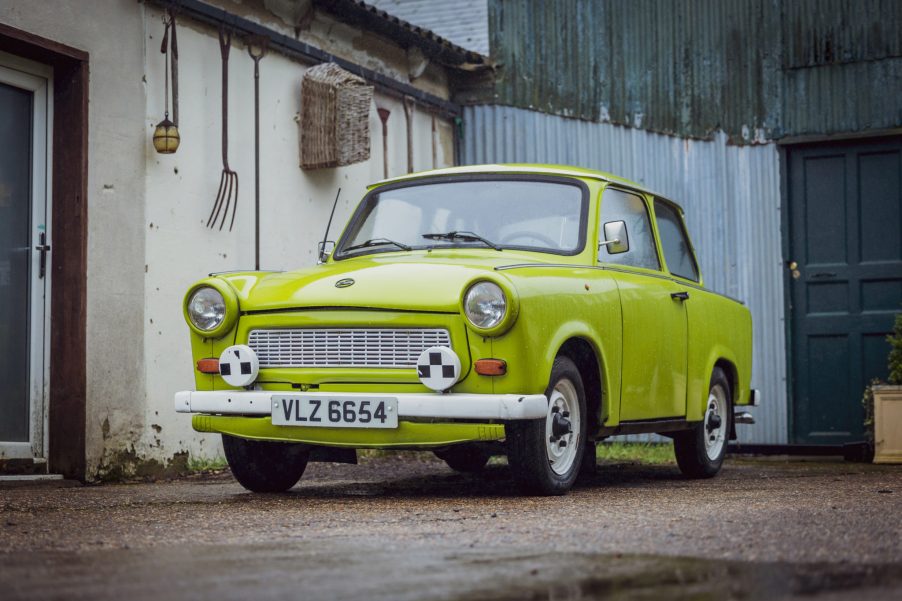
(405, 526)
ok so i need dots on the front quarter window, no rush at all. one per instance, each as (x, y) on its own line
(675, 242)
(617, 205)
(495, 214)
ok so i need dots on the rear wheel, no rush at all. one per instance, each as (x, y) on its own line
(700, 451)
(264, 466)
(464, 458)
(545, 454)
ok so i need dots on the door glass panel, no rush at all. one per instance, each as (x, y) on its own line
(675, 242)
(825, 209)
(631, 209)
(15, 261)
(881, 221)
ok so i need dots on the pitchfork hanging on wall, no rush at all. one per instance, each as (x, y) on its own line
(227, 196)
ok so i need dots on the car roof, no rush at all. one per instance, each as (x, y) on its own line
(526, 168)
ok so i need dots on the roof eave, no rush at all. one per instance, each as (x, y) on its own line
(433, 46)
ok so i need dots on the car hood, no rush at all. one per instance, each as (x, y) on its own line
(421, 282)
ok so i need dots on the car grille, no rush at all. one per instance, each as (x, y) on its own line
(341, 347)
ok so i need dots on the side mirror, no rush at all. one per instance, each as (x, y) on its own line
(615, 237)
(323, 250)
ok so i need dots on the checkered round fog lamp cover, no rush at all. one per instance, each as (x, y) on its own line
(238, 365)
(438, 368)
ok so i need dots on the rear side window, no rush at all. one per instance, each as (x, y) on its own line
(675, 242)
(617, 205)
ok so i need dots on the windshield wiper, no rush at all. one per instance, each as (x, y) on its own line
(376, 242)
(465, 236)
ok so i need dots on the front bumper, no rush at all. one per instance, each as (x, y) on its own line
(424, 420)
(410, 406)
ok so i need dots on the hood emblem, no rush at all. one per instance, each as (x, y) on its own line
(344, 283)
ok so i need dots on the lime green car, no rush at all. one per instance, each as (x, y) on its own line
(519, 309)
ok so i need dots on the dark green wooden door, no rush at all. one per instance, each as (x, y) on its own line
(845, 211)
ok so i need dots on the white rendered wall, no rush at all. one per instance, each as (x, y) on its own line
(295, 204)
(110, 33)
(147, 240)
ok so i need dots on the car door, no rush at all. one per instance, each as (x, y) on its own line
(653, 383)
(680, 263)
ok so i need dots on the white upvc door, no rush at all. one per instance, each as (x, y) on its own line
(25, 241)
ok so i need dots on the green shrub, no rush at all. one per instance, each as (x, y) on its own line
(867, 401)
(895, 353)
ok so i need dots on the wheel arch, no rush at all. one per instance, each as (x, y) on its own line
(732, 374)
(729, 368)
(724, 358)
(590, 365)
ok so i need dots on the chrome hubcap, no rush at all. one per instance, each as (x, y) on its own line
(716, 422)
(562, 427)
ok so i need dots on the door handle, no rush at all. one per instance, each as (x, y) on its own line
(43, 248)
(681, 296)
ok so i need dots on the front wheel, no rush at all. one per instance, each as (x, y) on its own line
(701, 450)
(264, 466)
(545, 455)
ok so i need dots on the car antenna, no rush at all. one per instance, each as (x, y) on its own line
(329, 225)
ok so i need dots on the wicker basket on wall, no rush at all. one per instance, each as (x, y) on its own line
(335, 123)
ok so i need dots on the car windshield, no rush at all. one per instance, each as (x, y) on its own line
(528, 214)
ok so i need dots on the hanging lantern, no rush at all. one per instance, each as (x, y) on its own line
(166, 137)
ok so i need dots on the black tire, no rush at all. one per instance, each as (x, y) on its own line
(264, 466)
(690, 447)
(528, 441)
(465, 458)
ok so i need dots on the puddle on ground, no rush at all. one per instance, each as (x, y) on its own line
(350, 567)
(638, 577)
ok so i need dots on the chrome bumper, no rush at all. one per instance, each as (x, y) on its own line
(441, 406)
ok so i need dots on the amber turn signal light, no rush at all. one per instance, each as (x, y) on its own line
(491, 367)
(208, 366)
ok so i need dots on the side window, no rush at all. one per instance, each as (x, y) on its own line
(629, 208)
(675, 242)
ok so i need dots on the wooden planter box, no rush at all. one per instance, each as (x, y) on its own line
(887, 424)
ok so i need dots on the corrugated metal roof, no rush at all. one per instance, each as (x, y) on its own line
(756, 69)
(731, 196)
(434, 45)
(464, 22)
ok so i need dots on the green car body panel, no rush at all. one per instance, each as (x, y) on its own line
(653, 355)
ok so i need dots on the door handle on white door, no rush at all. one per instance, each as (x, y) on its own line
(43, 248)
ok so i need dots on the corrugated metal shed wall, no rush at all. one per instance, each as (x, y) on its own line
(756, 69)
(731, 195)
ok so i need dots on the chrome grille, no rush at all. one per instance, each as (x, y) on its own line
(344, 347)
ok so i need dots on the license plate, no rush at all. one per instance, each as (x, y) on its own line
(335, 412)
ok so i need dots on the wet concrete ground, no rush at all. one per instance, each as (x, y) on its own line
(407, 527)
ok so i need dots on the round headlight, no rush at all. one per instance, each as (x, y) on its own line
(485, 305)
(206, 308)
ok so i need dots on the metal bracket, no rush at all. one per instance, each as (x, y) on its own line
(743, 417)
